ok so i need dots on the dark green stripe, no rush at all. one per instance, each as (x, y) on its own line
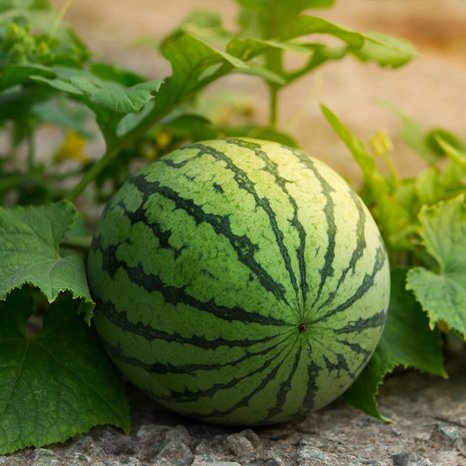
(365, 286)
(178, 295)
(312, 373)
(285, 387)
(273, 169)
(327, 269)
(242, 245)
(358, 251)
(264, 381)
(263, 203)
(110, 263)
(339, 366)
(188, 396)
(355, 347)
(356, 326)
(117, 353)
(120, 319)
(139, 215)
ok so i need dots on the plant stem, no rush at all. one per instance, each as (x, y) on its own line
(150, 120)
(273, 105)
(30, 152)
(91, 174)
(77, 242)
(274, 62)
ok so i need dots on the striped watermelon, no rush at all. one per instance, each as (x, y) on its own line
(239, 281)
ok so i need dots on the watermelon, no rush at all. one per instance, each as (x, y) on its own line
(239, 282)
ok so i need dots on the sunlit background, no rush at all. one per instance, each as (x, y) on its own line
(431, 89)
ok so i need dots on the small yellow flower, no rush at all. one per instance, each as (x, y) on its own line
(72, 148)
(43, 48)
(381, 144)
(163, 138)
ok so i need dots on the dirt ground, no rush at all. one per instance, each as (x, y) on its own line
(429, 414)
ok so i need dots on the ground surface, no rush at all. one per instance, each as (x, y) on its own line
(428, 428)
(429, 414)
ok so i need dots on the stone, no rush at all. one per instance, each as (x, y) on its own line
(240, 445)
(224, 463)
(83, 448)
(130, 461)
(147, 432)
(410, 459)
(308, 454)
(451, 433)
(178, 434)
(78, 457)
(174, 454)
(268, 461)
(203, 460)
(252, 437)
(44, 457)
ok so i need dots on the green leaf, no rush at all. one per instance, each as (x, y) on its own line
(56, 383)
(204, 23)
(7, 5)
(271, 18)
(373, 177)
(442, 292)
(103, 93)
(406, 340)
(116, 74)
(30, 253)
(246, 48)
(439, 134)
(457, 155)
(305, 25)
(385, 50)
(14, 74)
(355, 145)
(195, 64)
(110, 100)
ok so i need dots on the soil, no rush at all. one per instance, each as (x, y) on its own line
(428, 414)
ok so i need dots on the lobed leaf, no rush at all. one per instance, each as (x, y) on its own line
(442, 292)
(111, 100)
(104, 94)
(195, 63)
(56, 383)
(30, 253)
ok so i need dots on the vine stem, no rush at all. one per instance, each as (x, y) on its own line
(91, 174)
(151, 119)
(273, 115)
(77, 242)
(113, 151)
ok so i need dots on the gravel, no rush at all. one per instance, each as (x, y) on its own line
(428, 428)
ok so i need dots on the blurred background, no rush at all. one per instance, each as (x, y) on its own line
(431, 89)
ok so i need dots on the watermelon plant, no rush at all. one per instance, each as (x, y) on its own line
(56, 380)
